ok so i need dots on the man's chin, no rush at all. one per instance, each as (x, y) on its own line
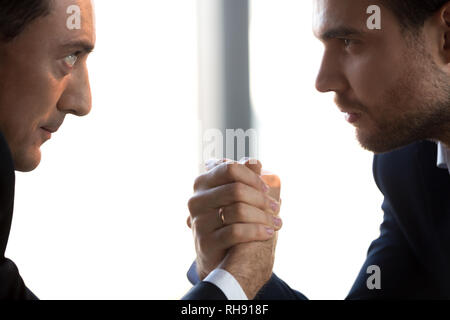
(378, 142)
(27, 162)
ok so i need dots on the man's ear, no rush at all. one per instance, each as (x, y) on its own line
(445, 20)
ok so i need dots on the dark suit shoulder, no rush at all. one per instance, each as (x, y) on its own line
(417, 204)
(411, 181)
(393, 169)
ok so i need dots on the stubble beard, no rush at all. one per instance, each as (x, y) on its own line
(423, 93)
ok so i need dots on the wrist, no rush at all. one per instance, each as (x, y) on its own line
(249, 286)
(201, 270)
(246, 265)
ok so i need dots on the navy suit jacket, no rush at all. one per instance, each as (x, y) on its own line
(413, 249)
(12, 286)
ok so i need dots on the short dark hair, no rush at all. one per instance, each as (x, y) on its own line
(15, 15)
(412, 14)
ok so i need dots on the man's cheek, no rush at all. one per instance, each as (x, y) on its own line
(368, 87)
(55, 90)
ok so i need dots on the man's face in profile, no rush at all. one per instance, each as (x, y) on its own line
(43, 77)
(393, 85)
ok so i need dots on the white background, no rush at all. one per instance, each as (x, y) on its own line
(103, 217)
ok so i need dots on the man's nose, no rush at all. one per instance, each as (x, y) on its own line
(76, 98)
(330, 77)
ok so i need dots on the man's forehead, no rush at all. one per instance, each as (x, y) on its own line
(333, 15)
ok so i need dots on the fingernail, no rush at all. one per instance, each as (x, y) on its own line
(265, 187)
(277, 222)
(270, 231)
(274, 206)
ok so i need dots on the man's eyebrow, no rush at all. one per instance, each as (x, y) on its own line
(81, 45)
(340, 32)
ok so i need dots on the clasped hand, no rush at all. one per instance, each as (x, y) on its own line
(234, 220)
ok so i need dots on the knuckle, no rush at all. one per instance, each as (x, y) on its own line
(257, 232)
(197, 182)
(269, 218)
(231, 170)
(191, 204)
(195, 222)
(235, 232)
(240, 212)
(263, 232)
(255, 162)
(267, 203)
(189, 222)
(237, 191)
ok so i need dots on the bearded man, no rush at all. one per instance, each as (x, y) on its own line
(393, 85)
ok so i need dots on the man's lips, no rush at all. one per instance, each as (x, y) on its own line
(348, 106)
(53, 126)
(351, 116)
(50, 130)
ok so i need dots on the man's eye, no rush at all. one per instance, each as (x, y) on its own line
(347, 42)
(71, 60)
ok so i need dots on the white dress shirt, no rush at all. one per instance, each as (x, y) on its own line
(443, 160)
(230, 286)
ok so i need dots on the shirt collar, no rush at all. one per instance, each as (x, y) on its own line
(443, 158)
